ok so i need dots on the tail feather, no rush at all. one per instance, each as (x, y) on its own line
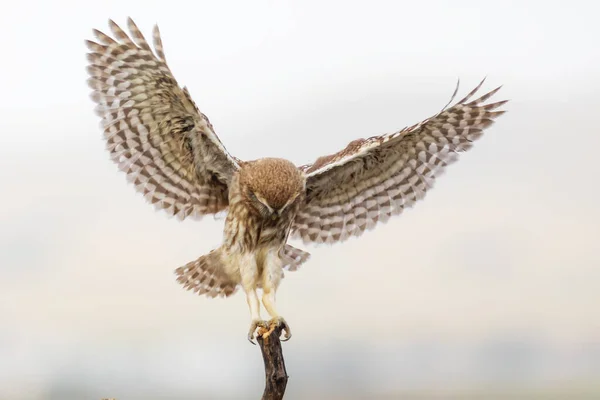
(207, 276)
(293, 257)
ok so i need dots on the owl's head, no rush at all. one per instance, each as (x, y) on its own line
(271, 185)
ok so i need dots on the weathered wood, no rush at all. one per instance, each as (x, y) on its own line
(275, 374)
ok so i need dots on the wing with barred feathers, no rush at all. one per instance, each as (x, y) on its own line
(372, 179)
(153, 129)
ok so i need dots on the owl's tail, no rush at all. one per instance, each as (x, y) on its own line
(207, 276)
(293, 257)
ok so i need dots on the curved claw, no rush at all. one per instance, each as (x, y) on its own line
(253, 327)
(286, 337)
(280, 322)
(288, 333)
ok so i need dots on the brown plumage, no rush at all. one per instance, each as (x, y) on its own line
(276, 180)
(170, 152)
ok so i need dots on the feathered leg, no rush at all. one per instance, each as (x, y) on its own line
(271, 276)
(249, 275)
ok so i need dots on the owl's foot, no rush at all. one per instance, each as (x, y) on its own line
(254, 326)
(279, 322)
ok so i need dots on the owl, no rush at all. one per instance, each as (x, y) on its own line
(170, 152)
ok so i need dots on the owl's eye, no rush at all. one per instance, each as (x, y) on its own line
(254, 198)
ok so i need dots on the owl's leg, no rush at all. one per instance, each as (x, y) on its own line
(272, 274)
(249, 275)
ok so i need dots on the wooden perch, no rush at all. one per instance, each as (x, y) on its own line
(275, 374)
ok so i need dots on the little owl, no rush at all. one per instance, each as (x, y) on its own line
(172, 155)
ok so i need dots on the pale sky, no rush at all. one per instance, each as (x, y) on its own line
(503, 250)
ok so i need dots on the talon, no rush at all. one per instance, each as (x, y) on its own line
(280, 322)
(252, 332)
(250, 339)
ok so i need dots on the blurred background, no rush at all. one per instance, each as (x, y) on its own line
(490, 287)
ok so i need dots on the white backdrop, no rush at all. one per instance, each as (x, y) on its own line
(492, 281)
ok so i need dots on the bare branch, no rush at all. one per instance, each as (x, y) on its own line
(275, 374)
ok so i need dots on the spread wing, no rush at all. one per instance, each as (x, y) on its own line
(373, 179)
(153, 129)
